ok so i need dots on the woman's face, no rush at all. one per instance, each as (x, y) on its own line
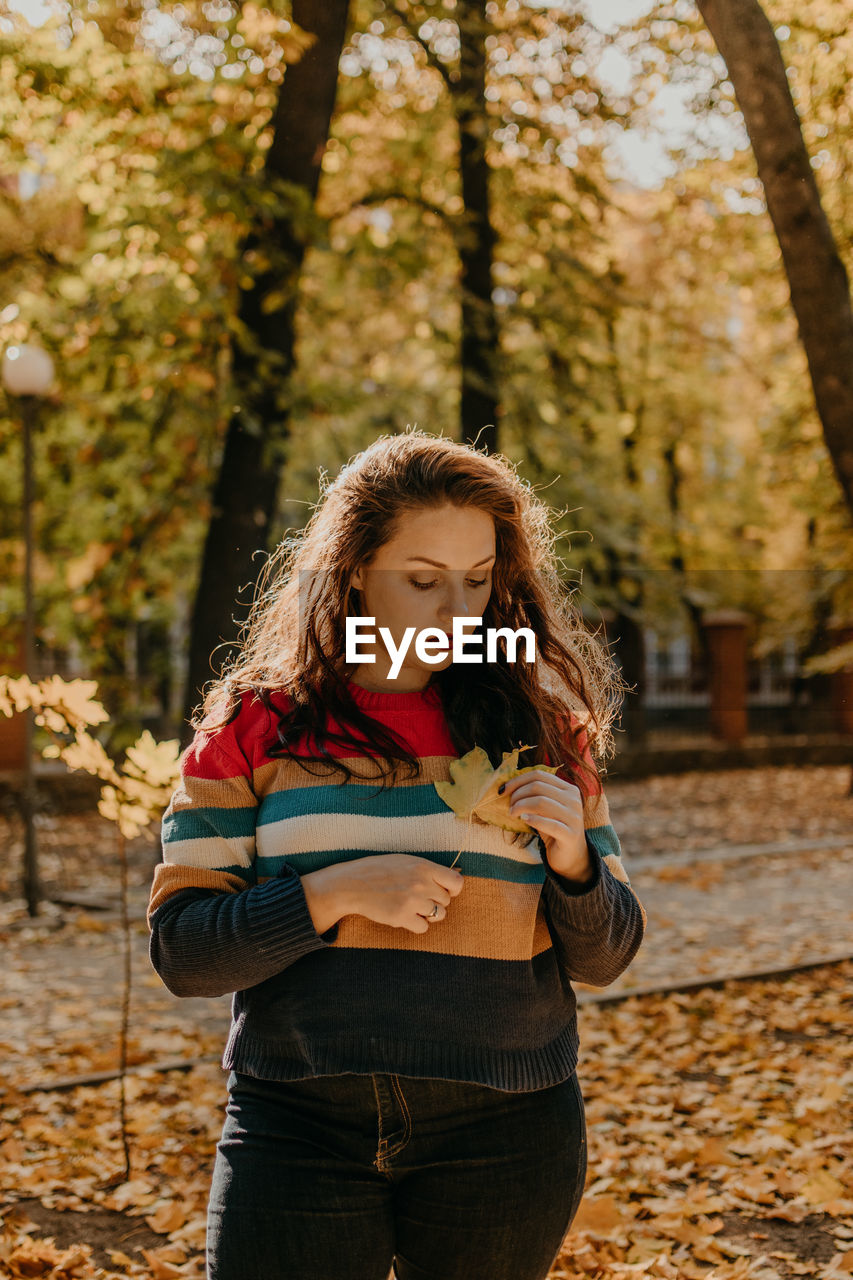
(437, 566)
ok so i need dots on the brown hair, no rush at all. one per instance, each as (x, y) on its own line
(294, 639)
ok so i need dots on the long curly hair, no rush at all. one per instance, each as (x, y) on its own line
(294, 638)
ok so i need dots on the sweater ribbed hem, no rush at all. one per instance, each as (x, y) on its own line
(511, 1070)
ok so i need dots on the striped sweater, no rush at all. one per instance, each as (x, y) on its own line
(484, 996)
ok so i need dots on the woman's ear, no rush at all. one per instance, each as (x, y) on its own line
(355, 580)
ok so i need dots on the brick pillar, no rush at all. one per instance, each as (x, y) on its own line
(726, 633)
(839, 632)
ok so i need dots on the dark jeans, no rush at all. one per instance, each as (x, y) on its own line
(335, 1178)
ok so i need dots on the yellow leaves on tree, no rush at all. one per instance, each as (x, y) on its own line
(473, 793)
(60, 705)
(133, 796)
(152, 761)
(86, 753)
(263, 29)
(132, 819)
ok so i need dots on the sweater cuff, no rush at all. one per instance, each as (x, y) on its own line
(281, 924)
(585, 907)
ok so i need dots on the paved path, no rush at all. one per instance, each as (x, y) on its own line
(726, 911)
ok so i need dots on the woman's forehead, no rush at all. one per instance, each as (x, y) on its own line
(439, 534)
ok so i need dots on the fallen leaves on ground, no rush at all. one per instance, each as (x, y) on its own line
(719, 1136)
(719, 1121)
(702, 810)
(718, 919)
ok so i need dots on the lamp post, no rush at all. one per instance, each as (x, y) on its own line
(27, 373)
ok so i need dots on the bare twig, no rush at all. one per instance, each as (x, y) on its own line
(125, 1003)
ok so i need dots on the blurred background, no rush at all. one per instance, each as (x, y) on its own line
(251, 239)
(608, 239)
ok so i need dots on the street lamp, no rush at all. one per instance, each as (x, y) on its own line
(27, 373)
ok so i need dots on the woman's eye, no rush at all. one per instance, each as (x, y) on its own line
(425, 586)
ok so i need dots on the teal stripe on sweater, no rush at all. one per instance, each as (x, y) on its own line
(395, 802)
(604, 840)
(201, 824)
(482, 865)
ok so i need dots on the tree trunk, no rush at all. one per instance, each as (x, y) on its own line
(820, 292)
(628, 630)
(699, 634)
(246, 489)
(476, 240)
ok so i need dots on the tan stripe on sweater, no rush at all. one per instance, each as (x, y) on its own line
(488, 920)
(281, 775)
(216, 793)
(170, 879)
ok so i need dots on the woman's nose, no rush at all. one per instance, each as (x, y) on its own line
(458, 609)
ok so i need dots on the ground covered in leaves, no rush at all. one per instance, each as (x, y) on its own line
(719, 1120)
(719, 1146)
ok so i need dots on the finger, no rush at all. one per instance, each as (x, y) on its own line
(570, 805)
(547, 785)
(429, 917)
(449, 878)
(536, 805)
(569, 801)
(521, 778)
(552, 826)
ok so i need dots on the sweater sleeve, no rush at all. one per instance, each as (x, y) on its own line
(597, 927)
(214, 929)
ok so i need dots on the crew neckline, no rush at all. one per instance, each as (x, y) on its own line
(406, 701)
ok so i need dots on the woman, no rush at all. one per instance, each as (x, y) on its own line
(403, 1090)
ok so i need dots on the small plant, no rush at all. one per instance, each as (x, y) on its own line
(133, 796)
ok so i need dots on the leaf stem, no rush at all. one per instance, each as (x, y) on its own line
(459, 854)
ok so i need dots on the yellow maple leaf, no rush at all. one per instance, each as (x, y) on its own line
(88, 753)
(21, 692)
(132, 819)
(75, 699)
(473, 793)
(141, 792)
(55, 721)
(154, 762)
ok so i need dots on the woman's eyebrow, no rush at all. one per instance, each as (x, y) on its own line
(437, 565)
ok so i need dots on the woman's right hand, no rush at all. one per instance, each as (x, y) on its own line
(400, 889)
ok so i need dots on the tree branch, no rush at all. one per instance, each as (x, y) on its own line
(382, 197)
(434, 62)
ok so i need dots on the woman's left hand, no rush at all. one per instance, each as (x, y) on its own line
(554, 808)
